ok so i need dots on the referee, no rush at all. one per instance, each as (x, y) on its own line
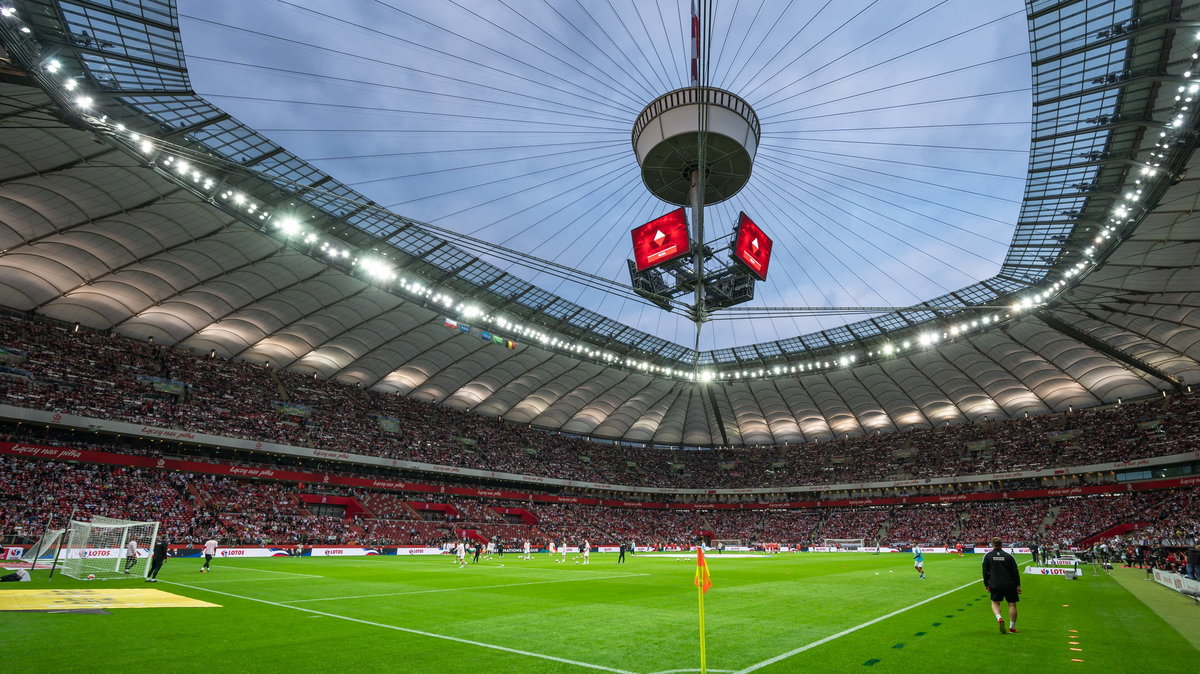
(1002, 579)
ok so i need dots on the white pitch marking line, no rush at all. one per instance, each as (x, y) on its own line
(843, 633)
(282, 573)
(459, 589)
(253, 580)
(469, 642)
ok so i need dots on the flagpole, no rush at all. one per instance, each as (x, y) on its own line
(703, 649)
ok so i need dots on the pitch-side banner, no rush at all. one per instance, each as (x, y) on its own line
(1052, 571)
(1178, 583)
(98, 553)
(418, 551)
(343, 552)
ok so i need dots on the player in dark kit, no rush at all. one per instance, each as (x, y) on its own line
(621, 559)
(1002, 579)
(156, 560)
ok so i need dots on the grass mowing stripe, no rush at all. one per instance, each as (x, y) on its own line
(472, 587)
(784, 656)
(517, 651)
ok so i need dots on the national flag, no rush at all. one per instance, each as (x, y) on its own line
(451, 323)
(497, 339)
(702, 579)
(510, 344)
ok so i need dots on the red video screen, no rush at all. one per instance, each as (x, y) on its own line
(752, 247)
(660, 240)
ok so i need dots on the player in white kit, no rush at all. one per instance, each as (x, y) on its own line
(210, 551)
(131, 555)
(527, 549)
(460, 551)
(587, 551)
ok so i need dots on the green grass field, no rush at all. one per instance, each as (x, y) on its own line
(794, 612)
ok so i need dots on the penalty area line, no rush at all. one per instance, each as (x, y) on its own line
(407, 630)
(470, 587)
(796, 651)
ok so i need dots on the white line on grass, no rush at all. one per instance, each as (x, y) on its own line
(472, 587)
(843, 633)
(253, 580)
(282, 573)
(469, 642)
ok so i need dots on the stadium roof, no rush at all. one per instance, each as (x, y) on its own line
(129, 202)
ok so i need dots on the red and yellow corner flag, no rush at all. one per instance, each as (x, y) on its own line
(703, 581)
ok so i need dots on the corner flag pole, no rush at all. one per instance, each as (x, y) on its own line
(703, 648)
(702, 582)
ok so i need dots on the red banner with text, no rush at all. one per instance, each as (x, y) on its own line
(91, 456)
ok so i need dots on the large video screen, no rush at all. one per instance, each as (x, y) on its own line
(752, 247)
(660, 240)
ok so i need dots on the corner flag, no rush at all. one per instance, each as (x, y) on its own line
(703, 581)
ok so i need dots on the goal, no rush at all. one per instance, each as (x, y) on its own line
(98, 548)
(844, 543)
(726, 543)
(43, 550)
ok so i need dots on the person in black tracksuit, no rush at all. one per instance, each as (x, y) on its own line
(1002, 579)
(621, 559)
(156, 560)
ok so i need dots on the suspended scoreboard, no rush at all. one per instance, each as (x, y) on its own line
(752, 247)
(663, 266)
(661, 240)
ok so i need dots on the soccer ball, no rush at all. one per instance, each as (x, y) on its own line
(91, 576)
(203, 570)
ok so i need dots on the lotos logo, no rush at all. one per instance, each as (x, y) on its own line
(98, 553)
(56, 418)
(333, 552)
(160, 463)
(232, 553)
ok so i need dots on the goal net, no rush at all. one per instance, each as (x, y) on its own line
(844, 543)
(43, 550)
(727, 543)
(100, 548)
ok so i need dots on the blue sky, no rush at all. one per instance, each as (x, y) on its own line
(892, 162)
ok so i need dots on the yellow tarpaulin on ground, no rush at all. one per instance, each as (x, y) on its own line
(49, 600)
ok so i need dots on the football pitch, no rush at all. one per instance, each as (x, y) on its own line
(785, 613)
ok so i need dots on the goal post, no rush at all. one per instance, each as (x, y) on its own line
(726, 543)
(43, 549)
(845, 543)
(98, 547)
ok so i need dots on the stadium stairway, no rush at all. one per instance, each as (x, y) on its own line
(1110, 533)
(472, 535)
(197, 496)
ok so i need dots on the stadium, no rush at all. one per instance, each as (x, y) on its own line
(648, 337)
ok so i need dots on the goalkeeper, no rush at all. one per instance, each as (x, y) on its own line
(157, 559)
